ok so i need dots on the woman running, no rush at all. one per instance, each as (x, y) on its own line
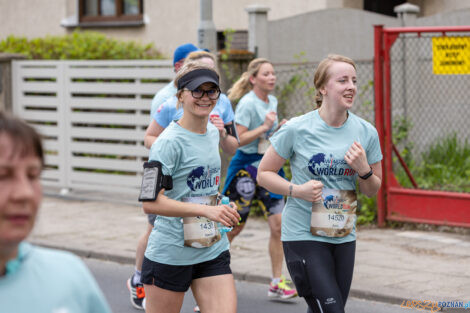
(185, 247)
(329, 150)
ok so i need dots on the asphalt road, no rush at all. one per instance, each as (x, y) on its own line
(252, 297)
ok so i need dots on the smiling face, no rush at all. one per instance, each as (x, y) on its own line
(265, 79)
(20, 192)
(198, 107)
(340, 88)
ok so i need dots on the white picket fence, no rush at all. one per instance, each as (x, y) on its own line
(92, 115)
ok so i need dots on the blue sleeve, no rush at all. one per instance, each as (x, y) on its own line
(243, 114)
(227, 114)
(283, 140)
(165, 113)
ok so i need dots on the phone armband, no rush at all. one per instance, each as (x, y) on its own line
(153, 181)
(232, 130)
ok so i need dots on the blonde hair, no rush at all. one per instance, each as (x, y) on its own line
(243, 85)
(322, 74)
(198, 55)
(185, 69)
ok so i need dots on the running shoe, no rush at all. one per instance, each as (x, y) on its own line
(196, 309)
(281, 290)
(137, 293)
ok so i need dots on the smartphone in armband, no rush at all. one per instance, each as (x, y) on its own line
(232, 131)
(153, 181)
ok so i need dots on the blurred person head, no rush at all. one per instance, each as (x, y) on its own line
(202, 56)
(332, 67)
(260, 74)
(21, 163)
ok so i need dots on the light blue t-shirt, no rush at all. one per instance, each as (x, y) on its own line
(161, 96)
(168, 112)
(193, 161)
(251, 112)
(45, 281)
(316, 151)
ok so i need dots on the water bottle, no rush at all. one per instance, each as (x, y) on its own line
(224, 229)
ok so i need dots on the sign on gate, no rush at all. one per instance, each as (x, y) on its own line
(451, 55)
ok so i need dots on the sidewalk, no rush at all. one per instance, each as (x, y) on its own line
(391, 265)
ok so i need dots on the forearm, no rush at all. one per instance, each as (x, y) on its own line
(149, 140)
(370, 186)
(273, 182)
(251, 135)
(229, 144)
(168, 207)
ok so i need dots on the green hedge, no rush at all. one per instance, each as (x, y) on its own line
(79, 45)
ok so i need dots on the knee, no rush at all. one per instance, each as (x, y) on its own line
(275, 228)
(235, 232)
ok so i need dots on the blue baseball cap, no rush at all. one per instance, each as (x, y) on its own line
(182, 52)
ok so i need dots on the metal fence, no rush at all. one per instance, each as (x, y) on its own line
(296, 93)
(429, 106)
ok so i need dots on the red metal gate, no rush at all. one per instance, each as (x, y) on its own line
(395, 202)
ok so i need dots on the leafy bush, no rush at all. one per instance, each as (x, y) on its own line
(80, 45)
(445, 165)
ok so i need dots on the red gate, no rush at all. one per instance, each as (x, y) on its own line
(395, 202)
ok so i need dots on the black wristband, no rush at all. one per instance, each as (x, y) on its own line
(366, 175)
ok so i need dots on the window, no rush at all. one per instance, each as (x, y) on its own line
(382, 7)
(111, 11)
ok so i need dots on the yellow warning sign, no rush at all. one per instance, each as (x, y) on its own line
(451, 55)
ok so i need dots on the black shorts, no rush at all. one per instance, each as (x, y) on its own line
(179, 277)
(243, 190)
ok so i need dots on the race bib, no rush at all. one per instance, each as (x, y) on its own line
(335, 214)
(199, 231)
(263, 145)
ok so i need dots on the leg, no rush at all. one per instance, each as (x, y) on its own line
(141, 246)
(136, 289)
(344, 261)
(235, 231)
(312, 268)
(275, 245)
(215, 294)
(160, 300)
(241, 191)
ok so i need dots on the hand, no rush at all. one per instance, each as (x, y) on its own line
(357, 159)
(227, 215)
(310, 191)
(219, 123)
(269, 120)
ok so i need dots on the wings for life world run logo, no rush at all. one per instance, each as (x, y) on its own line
(201, 178)
(321, 165)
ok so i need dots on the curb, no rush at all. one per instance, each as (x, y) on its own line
(253, 278)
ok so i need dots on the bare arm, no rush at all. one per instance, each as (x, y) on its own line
(371, 185)
(225, 214)
(228, 143)
(270, 179)
(153, 131)
(357, 159)
(246, 136)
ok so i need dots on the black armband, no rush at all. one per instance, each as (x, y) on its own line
(153, 181)
(232, 130)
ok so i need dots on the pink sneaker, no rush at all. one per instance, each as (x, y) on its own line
(281, 290)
